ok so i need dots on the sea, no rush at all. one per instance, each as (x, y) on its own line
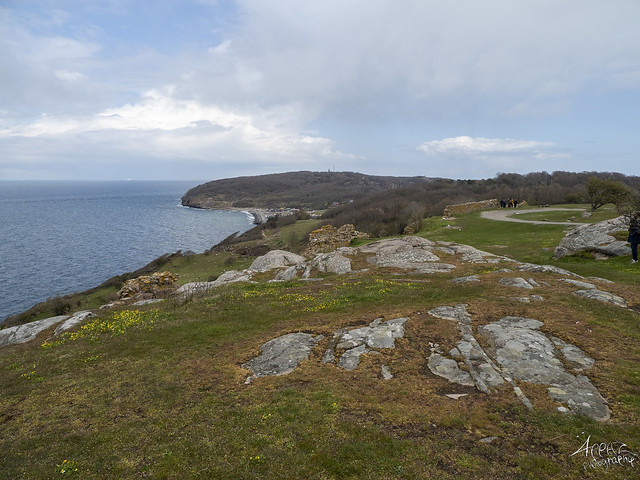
(59, 237)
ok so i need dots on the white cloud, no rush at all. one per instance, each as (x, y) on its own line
(469, 157)
(254, 88)
(160, 126)
(470, 145)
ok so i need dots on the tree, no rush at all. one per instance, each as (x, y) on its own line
(602, 191)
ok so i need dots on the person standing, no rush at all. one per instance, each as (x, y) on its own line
(634, 235)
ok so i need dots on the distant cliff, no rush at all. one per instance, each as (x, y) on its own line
(305, 190)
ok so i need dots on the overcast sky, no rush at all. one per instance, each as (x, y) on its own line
(207, 89)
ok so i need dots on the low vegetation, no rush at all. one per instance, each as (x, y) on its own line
(159, 392)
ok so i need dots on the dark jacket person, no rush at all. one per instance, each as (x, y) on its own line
(634, 235)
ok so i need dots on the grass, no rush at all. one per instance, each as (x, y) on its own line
(159, 392)
(527, 243)
(605, 212)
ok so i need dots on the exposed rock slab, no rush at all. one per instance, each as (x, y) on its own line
(349, 359)
(287, 274)
(409, 253)
(579, 284)
(355, 342)
(470, 254)
(449, 369)
(595, 294)
(281, 355)
(76, 319)
(480, 368)
(532, 267)
(573, 355)
(276, 259)
(230, 276)
(393, 244)
(596, 237)
(468, 279)
(517, 282)
(332, 262)
(528, 355)
(456, 313)
(385, 373)
(28, 331)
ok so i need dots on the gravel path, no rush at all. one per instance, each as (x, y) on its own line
(507, 214)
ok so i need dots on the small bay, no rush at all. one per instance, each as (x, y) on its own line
(60, 237)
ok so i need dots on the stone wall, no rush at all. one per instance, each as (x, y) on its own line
(156, 285)
(461, 208)
(327, 238)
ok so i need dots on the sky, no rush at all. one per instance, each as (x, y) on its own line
(209, 89)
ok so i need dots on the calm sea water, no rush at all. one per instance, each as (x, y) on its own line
(62, 237)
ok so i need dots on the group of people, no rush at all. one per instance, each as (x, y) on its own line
(510, 203)
(634, 235)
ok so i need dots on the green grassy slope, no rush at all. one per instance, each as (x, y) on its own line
(158, 392)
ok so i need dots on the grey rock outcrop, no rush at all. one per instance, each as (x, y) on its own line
(595, 294)
(76, 319)
(595, 237)
(532, 267)
(230, 276)
(349, 359)
(517, 350)
(449, 369)
(28, 331)
(287, 274)
(356, 342)
(470, 254)
(468, 279)
(480, 368)
(517, 282)
(579, 284)
(281, 355)
(332, 262)
(276, 259)
(410, 253)
(527, 354)
(385, 373)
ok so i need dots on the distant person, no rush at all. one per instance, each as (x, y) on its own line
(634, 235)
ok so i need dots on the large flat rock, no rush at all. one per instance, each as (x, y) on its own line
(597, 237)
(527, 354)
(28, 331)
(276, 259)
(282, 354)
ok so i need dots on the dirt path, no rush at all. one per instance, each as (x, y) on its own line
(506, 215)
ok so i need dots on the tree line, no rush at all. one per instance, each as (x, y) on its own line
(401, 210)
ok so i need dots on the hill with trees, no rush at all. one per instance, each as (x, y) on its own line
(394, 211)
(303, 190)
(383, 206)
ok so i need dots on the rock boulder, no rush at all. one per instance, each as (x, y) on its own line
(157, 285)
(596, 237)
(28, 331)
(328, 238)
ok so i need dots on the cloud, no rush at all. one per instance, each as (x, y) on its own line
(484, 146)
(246, 81)
(468, 157)
(161, 127)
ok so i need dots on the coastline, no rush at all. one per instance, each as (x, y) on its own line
(259, 216)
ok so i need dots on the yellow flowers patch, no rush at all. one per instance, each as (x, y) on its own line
(67, 467)
(116, 324)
